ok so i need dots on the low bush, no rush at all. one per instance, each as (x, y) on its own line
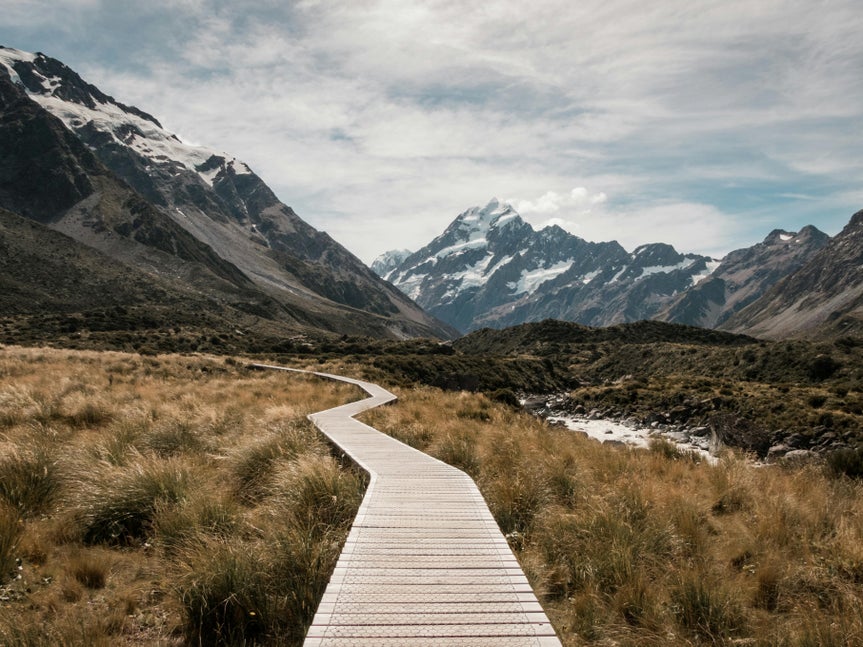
(846, 462)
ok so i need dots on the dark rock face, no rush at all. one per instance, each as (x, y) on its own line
(96, 168)
(43, 168)
(490, 268)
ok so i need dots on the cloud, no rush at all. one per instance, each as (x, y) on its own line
(578, 200)
(381, 120)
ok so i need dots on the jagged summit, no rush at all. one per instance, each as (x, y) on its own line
(491, 268)
(823, 297)
(388, 261)
(744, 276)
(494, 214)
(84, 108)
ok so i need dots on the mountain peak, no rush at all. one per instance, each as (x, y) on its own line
(494, 214)
(101, 120)
(388, 261)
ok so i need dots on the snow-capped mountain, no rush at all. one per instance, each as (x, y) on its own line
(194, 192)
(490, 268)
(388, 261)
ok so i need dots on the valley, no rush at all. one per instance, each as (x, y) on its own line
(154, 489)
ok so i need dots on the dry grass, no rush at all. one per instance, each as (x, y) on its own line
(650, 547)
(163, 500)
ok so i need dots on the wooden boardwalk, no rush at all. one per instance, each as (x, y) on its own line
(424, 563)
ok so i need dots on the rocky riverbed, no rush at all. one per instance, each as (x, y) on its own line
(686, 432)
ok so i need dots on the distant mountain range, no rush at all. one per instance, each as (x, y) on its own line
(109, 222)
(489, 268)
(186, 224)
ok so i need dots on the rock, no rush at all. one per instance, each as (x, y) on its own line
(798, 455)
(797, 441)
(534, 403)
(678, 436)
(776, 452)
(699, 432)
(702, 442)
(828, 438)
(680, 413)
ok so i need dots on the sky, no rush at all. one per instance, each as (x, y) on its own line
(703, 124)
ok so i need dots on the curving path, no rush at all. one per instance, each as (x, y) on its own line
(424, 563)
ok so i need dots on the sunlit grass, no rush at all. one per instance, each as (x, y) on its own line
(164, 500)
(652, 547)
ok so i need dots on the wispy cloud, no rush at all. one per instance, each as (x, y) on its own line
(381, 120)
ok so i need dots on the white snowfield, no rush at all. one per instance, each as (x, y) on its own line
(424, 563)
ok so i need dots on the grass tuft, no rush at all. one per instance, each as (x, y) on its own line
(89, 570)
(10, 533)
(253, 464)
(223, 592)
(119, 506)
(29, 479)
(708, 611)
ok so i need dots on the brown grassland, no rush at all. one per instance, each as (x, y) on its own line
(185, 500)
(653, 547)
(164, 500)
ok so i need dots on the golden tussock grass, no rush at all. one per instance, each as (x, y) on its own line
(164, 500)
(653, 547)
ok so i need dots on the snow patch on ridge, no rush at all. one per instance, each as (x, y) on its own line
(530, 280)
(126, 128)
(712, 265)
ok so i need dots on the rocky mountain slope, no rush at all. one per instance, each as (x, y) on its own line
(490, 268)
(743, 276)
(109, 176)
(824, 298)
